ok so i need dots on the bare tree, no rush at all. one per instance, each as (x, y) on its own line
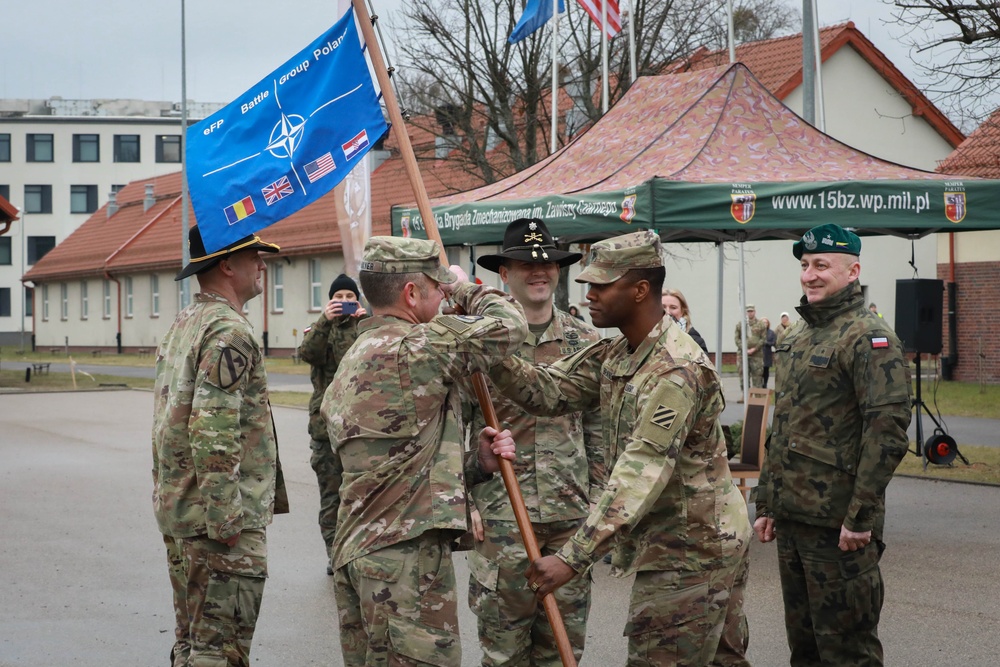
(956, 46)
(487, 102)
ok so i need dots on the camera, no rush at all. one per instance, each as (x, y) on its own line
(348, 307)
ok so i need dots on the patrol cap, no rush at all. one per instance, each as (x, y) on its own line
(827, 238)
(203, 261)
(393, 254)
(750, 306)
(613, 258)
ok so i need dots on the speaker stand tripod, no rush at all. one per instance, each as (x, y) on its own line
(940, 448)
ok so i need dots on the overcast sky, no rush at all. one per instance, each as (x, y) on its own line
(128, 49)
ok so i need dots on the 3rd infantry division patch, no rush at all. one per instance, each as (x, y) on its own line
(664, 416)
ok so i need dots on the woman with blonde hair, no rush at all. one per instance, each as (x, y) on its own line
(677, 307)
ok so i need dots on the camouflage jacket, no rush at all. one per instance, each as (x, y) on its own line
(215, 453)
(756, 336)
(395, 418)
(840, 417)
(560, 460)
(323, 346)
(670, 499)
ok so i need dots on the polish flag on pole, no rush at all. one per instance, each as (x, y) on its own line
(593, 8)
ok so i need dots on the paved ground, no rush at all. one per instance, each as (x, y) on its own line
(84, 579)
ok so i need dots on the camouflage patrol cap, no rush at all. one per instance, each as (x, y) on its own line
(611, 259)
(392, 254)
(827, 238)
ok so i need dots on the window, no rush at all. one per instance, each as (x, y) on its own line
(45, 302)
(29, 301)
(4, 148)
(39, 246)
(154, 295)
(82, 198)
(63, 301)
(84, 306)
(128, 296)
(168, 148)
(86, 148)
(5, 251)
(126, 148)
(278, 290)
(106, 308)
(39, 148)
(37, 198)
(4, 302)
(315, 286)
(117, 188)
(5, 192)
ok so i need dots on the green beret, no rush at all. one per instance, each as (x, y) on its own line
(613, 258)
(827, 238)
(392, 254)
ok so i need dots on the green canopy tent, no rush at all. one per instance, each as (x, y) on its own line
(710, 155)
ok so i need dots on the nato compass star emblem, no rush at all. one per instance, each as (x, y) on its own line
(286, 135)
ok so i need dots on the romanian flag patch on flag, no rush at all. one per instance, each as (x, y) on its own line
(880, 342)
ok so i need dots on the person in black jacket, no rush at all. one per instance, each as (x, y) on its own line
(677, 307)
(769, 343)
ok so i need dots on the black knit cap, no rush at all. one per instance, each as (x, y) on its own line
(343, 281)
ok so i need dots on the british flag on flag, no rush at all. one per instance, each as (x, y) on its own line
(277, 190)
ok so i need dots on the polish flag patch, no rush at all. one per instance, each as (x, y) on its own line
(880, 342)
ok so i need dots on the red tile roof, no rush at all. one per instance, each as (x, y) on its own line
(8, 214)
(979, 154)
(777, 63)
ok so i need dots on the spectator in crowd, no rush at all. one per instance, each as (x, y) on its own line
(677, 307)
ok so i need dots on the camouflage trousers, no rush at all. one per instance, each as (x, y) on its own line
(756, 368)
(689, 619)
(217, 596)
(399, 605)
(513, 627)
(833, 598)
(329, 471)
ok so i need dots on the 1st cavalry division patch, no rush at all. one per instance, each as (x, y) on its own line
(233, 362)
(664, 416)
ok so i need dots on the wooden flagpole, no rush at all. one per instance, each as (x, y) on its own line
(479, 380)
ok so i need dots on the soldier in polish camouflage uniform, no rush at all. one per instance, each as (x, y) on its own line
(756, 338)
(670, 512)
(323, 346)
(216, 476)
(560, 468)
(395, 419)
(840, 420)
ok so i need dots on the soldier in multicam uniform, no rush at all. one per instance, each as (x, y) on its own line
(395, 419)
(560, 468)
(216, 476)
(323, 346)
(756, 338)
(840, 420)
(670, 509)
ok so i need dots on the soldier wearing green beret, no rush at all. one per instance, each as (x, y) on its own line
(323, 346)
(216, 475)
(394, 417)
(839, 431)
(670, 511)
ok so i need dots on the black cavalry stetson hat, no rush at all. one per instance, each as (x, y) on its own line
(202, 261)
(528, 240)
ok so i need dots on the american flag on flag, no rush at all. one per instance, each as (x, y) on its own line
(320, 167)
(593, 7)
(277, 190)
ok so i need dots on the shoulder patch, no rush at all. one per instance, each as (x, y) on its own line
(233, 364)
(458, 324)
(663, 416)
(468, 319)
(879, 341)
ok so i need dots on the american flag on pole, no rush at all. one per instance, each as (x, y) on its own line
(319, 168)
(593, 7)
(277, 190)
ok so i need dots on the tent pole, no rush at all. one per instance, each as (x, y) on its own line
(721, 249)
(741, 239)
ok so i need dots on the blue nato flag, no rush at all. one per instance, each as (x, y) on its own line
(287, 141)
(536, 14)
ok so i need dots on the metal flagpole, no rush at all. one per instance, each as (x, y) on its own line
(605, 86)
(631, 40)
(555, 77)
(820, 116)
(185, 252)
(732, 33)
(478, 379)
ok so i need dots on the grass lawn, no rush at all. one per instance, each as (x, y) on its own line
(962, 399)
(14, 380)
(984, 466)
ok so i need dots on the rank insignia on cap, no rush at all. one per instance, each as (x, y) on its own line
(664, 416)
(880, 342)
(809, 240)
(532, 225)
